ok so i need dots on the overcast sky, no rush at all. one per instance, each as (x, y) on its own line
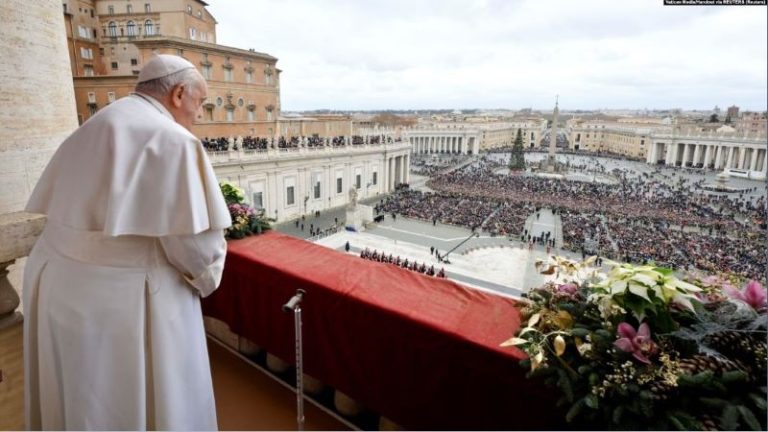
(419, 54)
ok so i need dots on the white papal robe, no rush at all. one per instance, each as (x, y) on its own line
(113, 332)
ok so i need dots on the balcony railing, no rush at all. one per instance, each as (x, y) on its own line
(18, 233)
(239, 156)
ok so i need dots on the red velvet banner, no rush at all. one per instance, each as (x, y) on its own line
(420, 350)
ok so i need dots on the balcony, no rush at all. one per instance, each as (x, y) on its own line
(221, 158)
(380, 343)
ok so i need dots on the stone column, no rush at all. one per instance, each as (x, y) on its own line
(753, 162)
(685, 153)
(742, 157)
(696, 154)
(406, 168)
(36, 114)
(707, 156)
(729, 163)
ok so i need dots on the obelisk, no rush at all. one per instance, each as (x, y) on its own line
(553, 139)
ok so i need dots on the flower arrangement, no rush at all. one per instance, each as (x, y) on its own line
(637, 348)
(245, 220)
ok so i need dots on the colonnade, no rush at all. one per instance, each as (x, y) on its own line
(398, 170)
(717, 155)
(453, 144)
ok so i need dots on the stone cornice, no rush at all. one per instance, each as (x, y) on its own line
(176, 42)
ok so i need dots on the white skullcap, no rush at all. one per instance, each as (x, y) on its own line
(163, 65)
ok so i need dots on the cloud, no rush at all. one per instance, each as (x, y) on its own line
(346, 54)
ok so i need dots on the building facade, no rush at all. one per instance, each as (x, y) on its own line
(290, 182)
(473, 137)
(621, 138)
(741, 155)
(110, 41)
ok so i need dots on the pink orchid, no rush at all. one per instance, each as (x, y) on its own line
(638, 343)
(753, 294)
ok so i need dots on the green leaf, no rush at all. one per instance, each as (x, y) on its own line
(591, 401)
(565, 384)
(580, 332)
(583, 369)
(749, 418)
(574, 411)
(713, 402)
(759, 401)
(594, 378)
(617, 413)
(729, 420)
(676, 423)
(734, 376)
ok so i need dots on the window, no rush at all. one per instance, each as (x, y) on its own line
(258, 200)
(91, 97)
(227, 74)
(230, 114)
(339, 185)
(240, 102)
(91, 110)
(112, 29)
(249, 77)
(207, 72)
(289, 198)
(111, 10)
(192, 33)
(316, 187)
(149, 28)
(91, 13)
(88, 70)
(374, 179)
(129, 8)
(200, 13)
(131, 27)
(219, 101)
(189, 9)
(209, 113)
(147, 8)
(269, 114)
(114, 65)
(134, 62)
(358, 181)
(251, 115)
(86, 53)
(110, 97)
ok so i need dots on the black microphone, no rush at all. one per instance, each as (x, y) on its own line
(294, 301)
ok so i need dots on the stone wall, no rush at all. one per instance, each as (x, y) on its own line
(37, 103)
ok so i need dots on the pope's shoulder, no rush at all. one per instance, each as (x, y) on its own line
(132, 116)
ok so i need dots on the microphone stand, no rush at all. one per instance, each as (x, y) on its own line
(294, 304)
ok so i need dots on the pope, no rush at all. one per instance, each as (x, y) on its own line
(113, 331)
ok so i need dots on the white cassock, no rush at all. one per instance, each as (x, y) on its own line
(113, 332)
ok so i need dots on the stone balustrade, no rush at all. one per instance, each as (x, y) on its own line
(18, 233)
(245, 155)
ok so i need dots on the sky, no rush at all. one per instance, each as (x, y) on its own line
(508, 54)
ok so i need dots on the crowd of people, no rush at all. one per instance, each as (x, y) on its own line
(218, 144)
(654, 216)
(404, 263)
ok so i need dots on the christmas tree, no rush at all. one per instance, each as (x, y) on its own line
(517, 158)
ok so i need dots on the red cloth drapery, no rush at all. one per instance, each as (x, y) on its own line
(420, 350)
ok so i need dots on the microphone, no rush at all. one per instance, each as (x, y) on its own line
(294, 301)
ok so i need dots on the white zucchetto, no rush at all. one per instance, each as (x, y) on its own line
(163, 65)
